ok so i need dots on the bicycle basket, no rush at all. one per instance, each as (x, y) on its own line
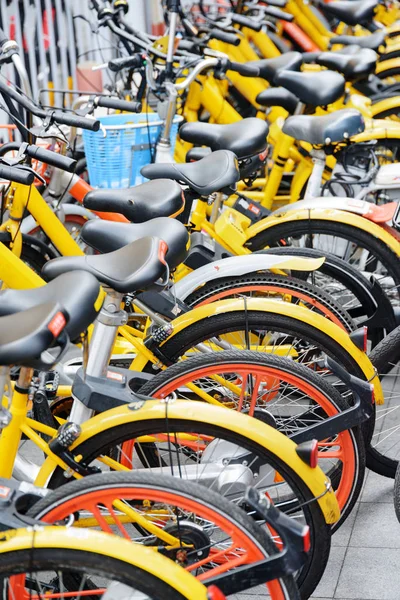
(124, 144)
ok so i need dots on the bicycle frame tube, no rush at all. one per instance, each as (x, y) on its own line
(28, 197)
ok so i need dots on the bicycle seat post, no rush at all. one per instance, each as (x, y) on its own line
(101, 346)
(314, 184)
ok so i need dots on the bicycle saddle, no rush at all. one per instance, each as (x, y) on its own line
(319, 131)
(25, 335)
(215, 173)
(132, 268)
(106, 236)
(353, 67)
(245, 138)
(372, 41)
(278, 96)
(77, 293)
(351, 12)
(152, 199)
(314, 89)
(269, 67)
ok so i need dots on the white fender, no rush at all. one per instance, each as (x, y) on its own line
(241, 265)
(29, 223)
(352, 205)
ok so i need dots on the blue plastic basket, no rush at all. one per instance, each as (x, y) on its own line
(117, 152)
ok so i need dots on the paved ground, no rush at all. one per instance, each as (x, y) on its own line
(365, 557)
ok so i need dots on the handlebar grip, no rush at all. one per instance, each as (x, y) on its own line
(52, 158)
(224, 36)
(17, 175)
(277, 13)
(246, 22)
(117, 104)
(127, 62)
(243, 69)
(74, 121)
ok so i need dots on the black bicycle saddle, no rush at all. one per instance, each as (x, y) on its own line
(278, 96)
(270, 67)
(244, 138)
(133, 268)
(354, 67)
(152, 199)
(25, 335)
(319, 131)
(373, 41)
(105, 236)
(314, 89)
(351, 12)
(77, 293)
(217, 172)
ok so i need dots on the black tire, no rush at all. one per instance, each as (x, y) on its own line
(210, 289)
(202, 496)
(180, 369)
(396, 493)
(385, 357)
(319, 530)
(77, 562)
(273, 237)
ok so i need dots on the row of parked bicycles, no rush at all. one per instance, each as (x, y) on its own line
(198, 369)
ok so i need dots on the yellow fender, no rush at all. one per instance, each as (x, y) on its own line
(104, 544)
(387, 65)
(289, 310)
(384, 105)
(277, 443)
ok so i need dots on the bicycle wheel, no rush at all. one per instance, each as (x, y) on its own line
(218, 457)
(284, 394)
(265, 332)
(356, 294)
(268, 285)
(396, 493)
(357, 247)
(212, 535)
(70, 567)
(383, 453)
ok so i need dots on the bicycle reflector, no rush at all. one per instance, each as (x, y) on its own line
(359, 337)
(214, 593)
(306, 538)
(308, 452)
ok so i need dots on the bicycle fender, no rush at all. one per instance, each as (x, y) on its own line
(109, 546)
(285, 309)
(265, 435)
(370, 211)
(322, 214)
(235, 266)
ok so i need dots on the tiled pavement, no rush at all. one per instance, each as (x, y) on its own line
(364, 562)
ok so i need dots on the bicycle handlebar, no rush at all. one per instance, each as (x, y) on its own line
(51, 158)
(224, 36)
(57, 115)
(16, 174)
(127, 62)
(246, 22)
(243, 69)
(117, 104)
(277, 13)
